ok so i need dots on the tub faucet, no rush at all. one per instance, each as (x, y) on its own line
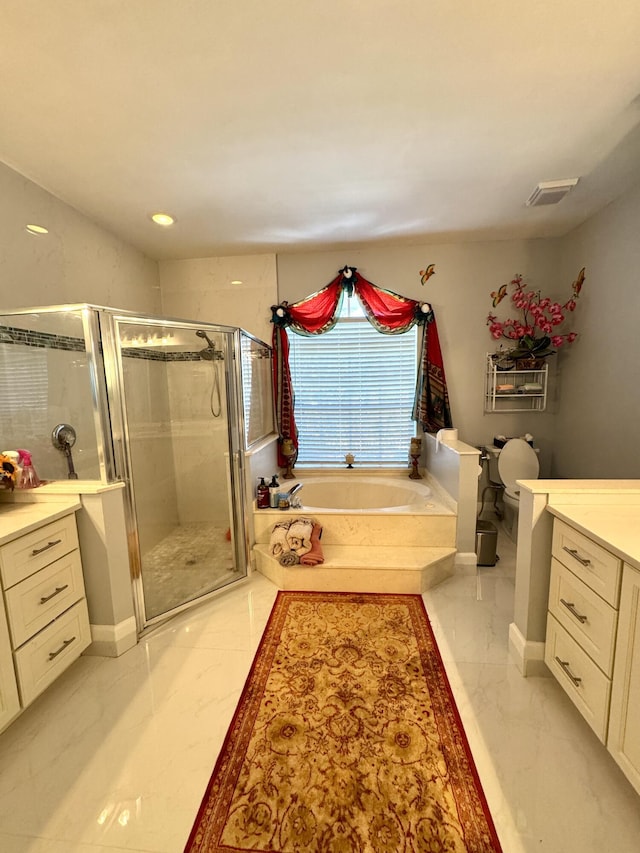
(295, 501)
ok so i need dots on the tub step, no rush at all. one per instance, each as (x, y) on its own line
(362, 568)
(438, 528)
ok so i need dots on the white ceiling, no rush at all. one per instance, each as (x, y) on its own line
(288, 125)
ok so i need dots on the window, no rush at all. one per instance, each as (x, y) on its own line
(354, 391)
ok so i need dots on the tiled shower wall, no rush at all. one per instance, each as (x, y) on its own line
(150, 445)
(201, 457)
(44, 381)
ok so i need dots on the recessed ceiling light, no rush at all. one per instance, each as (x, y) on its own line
(37, 229)
(236, 281)
(162, 219)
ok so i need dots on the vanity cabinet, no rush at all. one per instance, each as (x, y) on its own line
(624, 725)
(44, 603)
(515, 390)
(9, 702)
(582, 621)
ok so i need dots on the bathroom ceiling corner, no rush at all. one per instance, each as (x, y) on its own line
(282, 127)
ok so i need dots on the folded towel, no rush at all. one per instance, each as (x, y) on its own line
(299, 535)
(288, 558)
(291, 534)
(315, 556)
(278, 542)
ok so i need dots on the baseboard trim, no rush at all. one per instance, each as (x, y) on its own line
(113, 640)
(466, 562)
(527, 654)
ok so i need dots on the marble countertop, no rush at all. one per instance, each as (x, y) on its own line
(17, 518)
(614, 526)
(594, 488)
(81, 487)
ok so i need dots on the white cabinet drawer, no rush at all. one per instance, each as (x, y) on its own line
(41, 598)
(49, 653)
(624, 727)
(592, 563)
(586, 685)
(590, 620)
(33, 551)
(9, 701)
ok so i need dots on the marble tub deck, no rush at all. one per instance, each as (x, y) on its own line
(365, 551)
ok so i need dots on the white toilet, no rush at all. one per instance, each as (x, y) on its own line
(517, 461)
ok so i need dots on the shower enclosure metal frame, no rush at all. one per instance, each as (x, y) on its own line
(109, 325)
(95, 361)
(104, 359)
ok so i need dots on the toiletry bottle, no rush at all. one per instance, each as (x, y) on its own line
(14, 456)
(262, 495)
(274, 485)
(29, 479)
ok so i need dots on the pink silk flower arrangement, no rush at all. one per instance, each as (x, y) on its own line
(533, 335)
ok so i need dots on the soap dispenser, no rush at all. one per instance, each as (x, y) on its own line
(29, 478)
(274, 486)
(262, 495)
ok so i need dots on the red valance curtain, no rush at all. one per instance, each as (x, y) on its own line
(390, 314)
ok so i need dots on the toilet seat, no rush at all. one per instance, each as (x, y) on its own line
(517, 461)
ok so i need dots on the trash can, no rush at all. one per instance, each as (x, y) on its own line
(486, 543)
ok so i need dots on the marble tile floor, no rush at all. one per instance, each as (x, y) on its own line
(116, 755)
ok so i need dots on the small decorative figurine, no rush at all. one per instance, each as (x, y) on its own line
(289, 453)
(415, 452)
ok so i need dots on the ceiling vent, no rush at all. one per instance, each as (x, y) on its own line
(551, 192)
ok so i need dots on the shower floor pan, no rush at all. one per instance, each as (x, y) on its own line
(192, 560)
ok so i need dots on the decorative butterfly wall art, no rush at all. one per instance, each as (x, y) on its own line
(499, 295)
(425, 275)
(577, 284)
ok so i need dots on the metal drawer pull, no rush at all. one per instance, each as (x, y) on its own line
(59, 589)
(576, 556)
(37, 551)
(565, 668)
(64, 645)
(572, 610)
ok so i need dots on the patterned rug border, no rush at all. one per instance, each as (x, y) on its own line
(263, 655)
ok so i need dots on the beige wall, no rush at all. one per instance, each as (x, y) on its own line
(590, 428)
(596, 431)
(77, 261)
(466, 274)
(201, 289)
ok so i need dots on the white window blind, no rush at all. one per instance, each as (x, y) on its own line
(354, 390)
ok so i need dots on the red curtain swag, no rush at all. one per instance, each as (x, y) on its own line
(283, 392)
(390, 314)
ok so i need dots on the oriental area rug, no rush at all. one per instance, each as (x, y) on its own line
(346, 739)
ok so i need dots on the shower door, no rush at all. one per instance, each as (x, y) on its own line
(179, 450)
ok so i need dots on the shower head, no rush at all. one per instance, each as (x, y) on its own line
(202, 334)
(210, 353)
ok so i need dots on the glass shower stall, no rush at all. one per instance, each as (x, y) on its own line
(166, 406)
